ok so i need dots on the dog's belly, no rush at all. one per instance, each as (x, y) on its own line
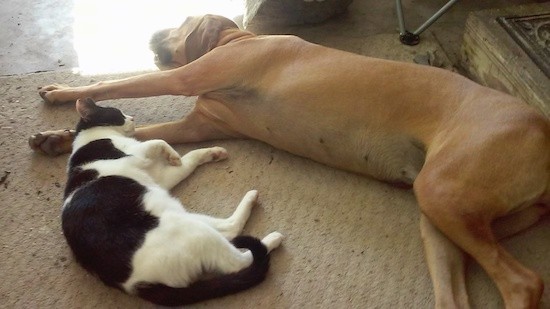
(334, 141)
(334, 137)
(389, 157)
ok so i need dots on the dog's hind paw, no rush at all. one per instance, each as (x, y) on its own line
(52, 143)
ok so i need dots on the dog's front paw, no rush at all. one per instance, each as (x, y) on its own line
(56, 93)
(52, 143)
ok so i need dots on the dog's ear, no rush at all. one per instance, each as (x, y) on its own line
(205, 35)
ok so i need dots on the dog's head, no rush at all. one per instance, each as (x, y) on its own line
(197, 35)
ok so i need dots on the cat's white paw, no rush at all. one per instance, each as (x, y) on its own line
(172, 156)
(273, 240)
(174, 160)
(217, 154)
(251, 196)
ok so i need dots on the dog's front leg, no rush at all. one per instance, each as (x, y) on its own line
(192, 79)
(146, 85)
(446, 265)
(194, 127)
(52, 143)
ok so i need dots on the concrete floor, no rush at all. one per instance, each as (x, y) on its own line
(111, 36)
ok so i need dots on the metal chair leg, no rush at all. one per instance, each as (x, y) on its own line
(412, 38)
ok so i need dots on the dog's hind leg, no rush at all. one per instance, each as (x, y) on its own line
(470, 228)
(463, 194)
(446, 260)
(446, 265)
(515, 223)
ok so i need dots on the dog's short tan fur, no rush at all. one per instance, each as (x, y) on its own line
(472, 154)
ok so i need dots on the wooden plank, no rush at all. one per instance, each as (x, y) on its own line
(491, 56)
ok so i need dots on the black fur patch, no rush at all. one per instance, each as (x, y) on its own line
(101, 149)
(101, 117)
(105, 223)
(77, 178)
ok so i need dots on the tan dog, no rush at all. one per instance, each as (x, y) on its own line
(472, 154)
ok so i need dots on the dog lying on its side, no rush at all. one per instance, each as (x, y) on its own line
(474, 156)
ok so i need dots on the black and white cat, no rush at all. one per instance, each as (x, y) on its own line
(123, 225)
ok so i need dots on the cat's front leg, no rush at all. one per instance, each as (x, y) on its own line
(169, 176)
(155, 149)
(204, 155)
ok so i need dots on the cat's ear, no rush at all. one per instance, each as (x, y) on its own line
(85, 108)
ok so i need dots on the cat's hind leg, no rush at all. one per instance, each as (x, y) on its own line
(272, 241)
(233, 259)
(167, 176)
(232, 226)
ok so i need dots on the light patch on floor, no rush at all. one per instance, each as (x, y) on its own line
(112, 40)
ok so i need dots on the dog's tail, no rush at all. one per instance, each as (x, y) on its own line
(215, 287)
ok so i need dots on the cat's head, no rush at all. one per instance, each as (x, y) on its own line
(92, 115)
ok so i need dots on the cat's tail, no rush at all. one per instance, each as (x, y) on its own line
(218, 286)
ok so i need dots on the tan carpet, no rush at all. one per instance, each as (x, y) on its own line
(351, 242)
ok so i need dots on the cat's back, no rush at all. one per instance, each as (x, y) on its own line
(103, 217)
(105, 223)
(87, 153)
(104, 157)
